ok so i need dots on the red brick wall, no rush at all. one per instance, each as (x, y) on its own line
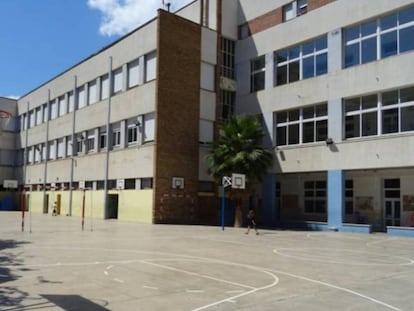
(275, 17)
(177, 118)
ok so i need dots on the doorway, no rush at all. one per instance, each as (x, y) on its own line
(45, 204)
(112, 206)
(392, 202)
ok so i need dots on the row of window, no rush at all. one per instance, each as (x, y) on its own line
(376, 114)
(130, 132)
(113, 184)
(128, 76)
(373, 40)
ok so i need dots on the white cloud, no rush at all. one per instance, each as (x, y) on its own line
(121, 16)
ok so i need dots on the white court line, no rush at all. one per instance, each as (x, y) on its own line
(320, 258)
(195, 291)
(206, 260)
(232, 299)
(150, 287)
(196, 274)
(118, 280)
(339, 288)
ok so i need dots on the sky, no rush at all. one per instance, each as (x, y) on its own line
(39, 39)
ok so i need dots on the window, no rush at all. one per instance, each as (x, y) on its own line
(146, 183)
(69, 146)
(133, 73)
(361, 116)
(228, 99)
(90, 142)
(102, 139)
(52, 150)
(129, 183)
(386, 113)
(380, 38)
(79, 143)
(295, 8)
(150, 66)
(302, 61)
(315, 197)
(60, 148)
(117, 81)
(257, 74)
(38, 115)
(92, 93)
(227, 52)
(71, 100)
(244, 31)
(81, 97)
(149, 128)
(53, 110)
(349, 197)
(63, 108)
(104, 87)
(32, 118)
(300, 126)
(132, 133)
(45, 113)
(116, 137)
(38, 153)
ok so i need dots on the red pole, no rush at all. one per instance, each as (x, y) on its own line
(23, 206)
(83, 210)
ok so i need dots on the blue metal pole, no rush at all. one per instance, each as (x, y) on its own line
(223, 202)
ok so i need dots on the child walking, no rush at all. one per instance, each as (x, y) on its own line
(251, 222)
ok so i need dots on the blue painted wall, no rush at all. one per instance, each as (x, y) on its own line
(336, 193)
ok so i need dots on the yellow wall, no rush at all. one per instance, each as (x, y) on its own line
(133, 205)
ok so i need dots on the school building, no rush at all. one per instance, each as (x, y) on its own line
(126, 129)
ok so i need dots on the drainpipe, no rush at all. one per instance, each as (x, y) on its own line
(108, 118)
(46, 148)
(72, 160)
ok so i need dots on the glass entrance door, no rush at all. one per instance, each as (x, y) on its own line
(392, 212)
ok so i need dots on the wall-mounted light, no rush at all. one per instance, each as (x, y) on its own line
(329, 141)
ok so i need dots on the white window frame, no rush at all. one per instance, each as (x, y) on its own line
(133, 73)
(117, 80)
(150, 66)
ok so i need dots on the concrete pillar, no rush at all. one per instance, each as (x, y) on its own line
(336, 198)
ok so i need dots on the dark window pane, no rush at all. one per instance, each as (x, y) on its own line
(349, 183)
(258, 81)
(407, 95)
(321, 64)
(349, 207)
(392, 193)
(294, 71)
(309, 193)
(320, 206)
(392, 183)
(281, 136)
(309, 206)
(390, 121)
(370, 101)
(352, 126)
(321, 44)
(390, 98)
(388, 22)
(352, 104)
(308, 67)
(369, 124)
(351, 33)
(293, 134)
(321, 110)
(259, 63)
(309, 184)
(294, 115)
(389, 44)
(308, 48)
(349, 193)
(369, 50)
(407, 39)
(282, 75)
(407, 119)
(308, 132)
(406, 16)
(352, 55)
(308, 113)
(369, 28)
(294, 52)
(281, 117)
(282, 56)
(321, 130)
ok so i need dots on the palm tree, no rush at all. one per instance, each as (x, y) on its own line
(239, 149)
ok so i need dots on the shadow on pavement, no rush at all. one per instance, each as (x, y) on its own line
(74, 303)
